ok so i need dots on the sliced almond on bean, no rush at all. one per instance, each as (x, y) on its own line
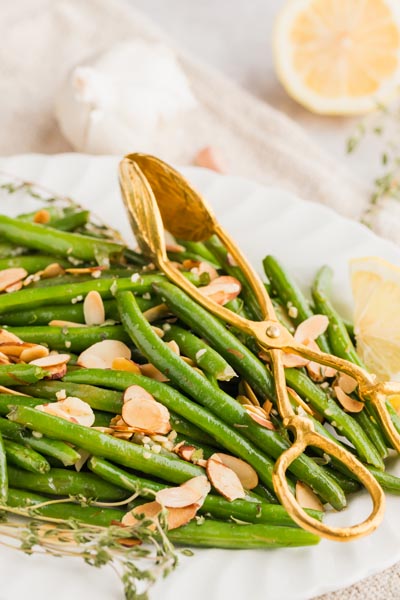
(93, 309)
(156, 313)
(192, 491)
(208, 158)
(346, 383)
(14, 348)
(15, 287)
(222, 290)
(150, 510)
(311, 328)
(125, 364)
(260, 419)
(72, 409)
(177, 517)
(293, 360)
(306, 497)
(4, 360)
(9, 337)
(172, 345)
(205, 267)
(185, 451)
(225, 481)
(152, 372)
(60, 323)
(42, 216)
(52, 270)
(137, 392)
(11, 276)
(158, 331)
(348, 403)
(201, 485)
(146, 415)
(102, 354)
(84, 270)
(34, 353)
(6, 390)
(247, 475)
(51, 360)
(56, 372)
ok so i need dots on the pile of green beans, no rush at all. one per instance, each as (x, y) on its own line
(39, 451)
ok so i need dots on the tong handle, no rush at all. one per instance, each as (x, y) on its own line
(306, 436)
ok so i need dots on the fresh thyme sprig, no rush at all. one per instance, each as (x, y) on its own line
(139, 554)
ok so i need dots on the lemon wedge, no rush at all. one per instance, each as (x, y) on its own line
(339, 56)
(376, 291)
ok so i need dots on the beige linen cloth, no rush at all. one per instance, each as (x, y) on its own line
(42, 39)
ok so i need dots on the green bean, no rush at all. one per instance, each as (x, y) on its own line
(247, 293)
(206, 357)
(350, 486)
(75, 292)
(248, 509)
(25, 458)
(11, 250)
(61, 482)
(218, 402)
(342, 346)
(190, 430)
(344, 423)
(291, 295)
(51, 448)
(65, 312)
(71, 221)
(46, 239)
(92, 515)
(201, 250)
(390, 483)
(53, 212)
(219, 534)
(135, 257)
(20, 374)
(3, 472)
(7, 400)
(101, 419)
(220, 338)
(122, 452)
(32, 264)
(226, 436)
(74, 339)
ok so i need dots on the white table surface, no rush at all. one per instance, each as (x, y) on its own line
(235, 37)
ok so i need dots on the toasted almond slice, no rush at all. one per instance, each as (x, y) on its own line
(152, 372)
(7, 337)
(4, 360)
(84, 270)
(125, 364)
(72, 409)
(56, 372)
(177, 517)
(136, 392)
(176, 248)
(185, 451)
(261, 420)
(15, 287)
(267, 407)
(85, 455)
(42, 216)
(201, 485)
(156, 313)
(51, 360)
(293, 360)
(188, 361)
(10, 276)
(348, 403)
(60, 323)
(52, 270)
(178, 497)
(225, 481)
(146, 415)
(347, 383)
(93, 309)
(208, 158)
(102, 354)
(34, 353)
(172, 345)
(247, 475)
(150, 510)
(123, 435)
(222, 290)
(205, 267)
(306, 497)
(108, 430)
(14, 348)
(311, 328)
(158, 331)
(129, 542)
(249, 393)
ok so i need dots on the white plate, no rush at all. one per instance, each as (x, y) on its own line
(304, 236)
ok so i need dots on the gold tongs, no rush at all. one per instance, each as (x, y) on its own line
(157, 197)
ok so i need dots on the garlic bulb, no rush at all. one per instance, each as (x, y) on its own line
(133, 97)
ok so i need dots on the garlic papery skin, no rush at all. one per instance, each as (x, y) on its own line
(133, 97)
